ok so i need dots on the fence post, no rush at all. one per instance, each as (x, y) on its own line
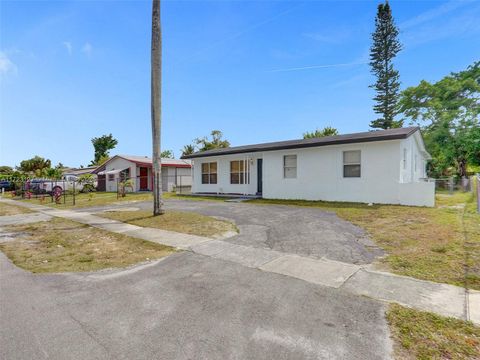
(478, 193)
(74, 192)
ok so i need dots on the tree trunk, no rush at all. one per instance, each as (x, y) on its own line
(462, 168)
(156, 107)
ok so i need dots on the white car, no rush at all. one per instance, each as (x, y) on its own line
(68, 182)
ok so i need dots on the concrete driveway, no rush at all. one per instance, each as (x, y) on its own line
(296, 230)
(186, 306)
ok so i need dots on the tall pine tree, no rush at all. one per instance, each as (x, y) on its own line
(384, 49)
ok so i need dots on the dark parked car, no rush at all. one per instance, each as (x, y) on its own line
(7, 185)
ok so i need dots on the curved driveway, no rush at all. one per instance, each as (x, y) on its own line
(297, 230)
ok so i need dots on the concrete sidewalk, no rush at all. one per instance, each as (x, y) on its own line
(442, 299)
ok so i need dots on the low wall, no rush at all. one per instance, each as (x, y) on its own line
(417, 193)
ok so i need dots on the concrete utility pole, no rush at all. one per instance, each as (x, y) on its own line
(156, 107)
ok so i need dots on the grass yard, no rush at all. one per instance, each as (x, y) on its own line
(425, 243)
(423, 335)
(8, 209)
(92, 199)
(109, 198)
(61, 245)
(184, 222)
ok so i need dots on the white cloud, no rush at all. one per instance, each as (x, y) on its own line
(87, 49)
(319, 66)
(68, 46)
(433, 13)
(463, 23)
(6, 65)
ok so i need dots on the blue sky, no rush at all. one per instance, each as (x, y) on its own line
(257, 70)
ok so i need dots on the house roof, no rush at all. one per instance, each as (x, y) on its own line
(80, 171)
(369, 136)
(146, 161)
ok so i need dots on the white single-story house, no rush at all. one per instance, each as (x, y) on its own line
(384, 167)
(175, 173)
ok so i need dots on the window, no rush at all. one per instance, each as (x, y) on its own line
(290, 166)
(404, 158)
(240, 172)
(209, 173)
(111, 177)
(351, 163)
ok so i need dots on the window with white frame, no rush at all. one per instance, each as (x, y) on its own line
(239, 172)
(352, 166)
(209, 173)
(290, 166)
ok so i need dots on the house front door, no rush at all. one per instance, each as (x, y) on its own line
(259, 176)
(143, 178)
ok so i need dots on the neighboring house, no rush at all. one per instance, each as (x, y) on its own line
(386, 167)
(175, 173)
(79, 171)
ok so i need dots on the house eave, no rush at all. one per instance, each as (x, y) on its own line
(296, 146)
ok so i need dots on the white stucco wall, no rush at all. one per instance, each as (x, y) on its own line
(223, 185)
(170, 174)
(115, 164)
(414, 168)
(320, 174)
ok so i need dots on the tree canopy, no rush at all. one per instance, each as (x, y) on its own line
(448, 112)
(188, 149)
(167, 154)
(6, 169)
(216, 141)
(34, 164)
(384, 48)
(102, 145)
(326, 131)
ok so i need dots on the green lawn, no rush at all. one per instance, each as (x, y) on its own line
(423, 335)
(91, 199)
(425, 243)
(61, 245)
(184, 222)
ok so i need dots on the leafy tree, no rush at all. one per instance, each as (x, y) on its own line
(326, 131)
(6, 170)
(215, 142)
(33, 164)
(86, 179)
(448, 112)
(188, 149)
(102, 146)
(101, 161)
(167, 154)
(52, 173)
(382, 52)
(156, 106)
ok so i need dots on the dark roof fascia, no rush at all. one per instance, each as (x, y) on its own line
(261, 147)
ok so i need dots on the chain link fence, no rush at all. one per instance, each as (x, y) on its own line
(179, 184)
(60, 191)
(452, 184)
(67, 190)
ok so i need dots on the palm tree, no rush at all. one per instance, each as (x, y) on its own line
(156, 107)
(188, 149)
